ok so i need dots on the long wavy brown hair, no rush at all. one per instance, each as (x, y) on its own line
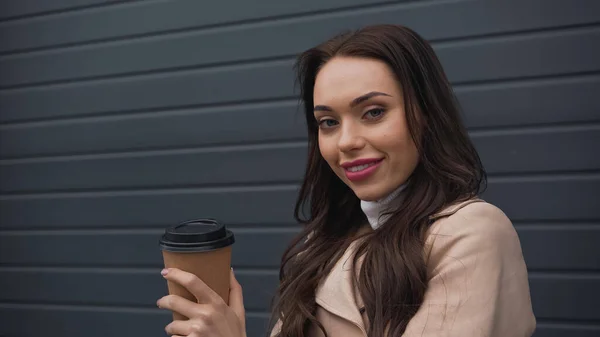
(393, 276)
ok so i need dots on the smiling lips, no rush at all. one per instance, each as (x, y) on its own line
(361, 169)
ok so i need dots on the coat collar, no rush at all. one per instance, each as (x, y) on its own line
(449, 210)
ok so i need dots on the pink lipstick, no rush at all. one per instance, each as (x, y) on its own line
(361, 169)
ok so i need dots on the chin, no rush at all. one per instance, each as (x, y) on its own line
(368, 194)
(367, 191)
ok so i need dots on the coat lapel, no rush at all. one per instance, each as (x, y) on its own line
(335, 293)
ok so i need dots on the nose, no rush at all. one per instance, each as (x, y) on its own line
(350, 138)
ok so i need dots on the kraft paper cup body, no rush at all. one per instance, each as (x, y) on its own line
(201, 247)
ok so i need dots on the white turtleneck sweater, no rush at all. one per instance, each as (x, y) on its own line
(374, 209)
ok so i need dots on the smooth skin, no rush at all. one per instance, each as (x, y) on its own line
(360, 109)
(211, 316)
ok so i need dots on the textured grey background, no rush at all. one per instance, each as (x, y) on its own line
(118, 118)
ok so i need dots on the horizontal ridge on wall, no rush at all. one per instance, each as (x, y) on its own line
(31, 73)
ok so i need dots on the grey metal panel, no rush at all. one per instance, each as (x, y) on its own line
(202, 87)
(559, 247)
(253, 248)
(552, 197)
(238, 82)
(152, 17)
(238, 165)
(105, 287)
(541, 149)
(272, 39)
(565, 296)
(96, 321)
(518, 103)
(268, 205)
(541, 101)
(546, 329)
(465, 61)
(542, 199)
(11, 9)
(272, 121)
(522, 56)
(502, 152)
(545, 247)
(143, 289)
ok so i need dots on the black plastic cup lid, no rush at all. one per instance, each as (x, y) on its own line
(199, 235)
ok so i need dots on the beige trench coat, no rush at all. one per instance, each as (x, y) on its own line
(478, 285)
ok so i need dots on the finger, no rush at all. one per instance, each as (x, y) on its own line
(236, 297)
(178, 328)
(184, 328)
(188, 328)
(180, 305)
(202, 292)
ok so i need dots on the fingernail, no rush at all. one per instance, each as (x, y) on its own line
(164, 272)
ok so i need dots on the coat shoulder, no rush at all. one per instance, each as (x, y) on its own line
(476, 224)
(478, 217)
(477, 273)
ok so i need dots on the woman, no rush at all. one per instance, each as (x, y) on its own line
(396, 242)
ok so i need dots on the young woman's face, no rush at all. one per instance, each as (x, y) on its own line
(363, 133)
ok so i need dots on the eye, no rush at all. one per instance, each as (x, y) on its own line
(327, 123)
(374, 113)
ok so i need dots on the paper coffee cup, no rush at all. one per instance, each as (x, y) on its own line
(201, 247)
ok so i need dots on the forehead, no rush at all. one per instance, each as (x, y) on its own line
(343, 78)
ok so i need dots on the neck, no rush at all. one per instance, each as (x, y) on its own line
(374, 210)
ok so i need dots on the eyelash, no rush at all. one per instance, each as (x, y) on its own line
(381, 110)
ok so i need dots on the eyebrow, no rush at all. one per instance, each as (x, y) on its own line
(355, 101)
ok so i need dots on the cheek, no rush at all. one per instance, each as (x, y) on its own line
(408, 154)
(328, 151)
(402, 149)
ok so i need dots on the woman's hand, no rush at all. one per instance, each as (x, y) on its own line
(211, 316)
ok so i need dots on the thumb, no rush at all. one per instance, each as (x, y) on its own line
(236, 298)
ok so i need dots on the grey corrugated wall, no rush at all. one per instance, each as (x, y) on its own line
(118, 118)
